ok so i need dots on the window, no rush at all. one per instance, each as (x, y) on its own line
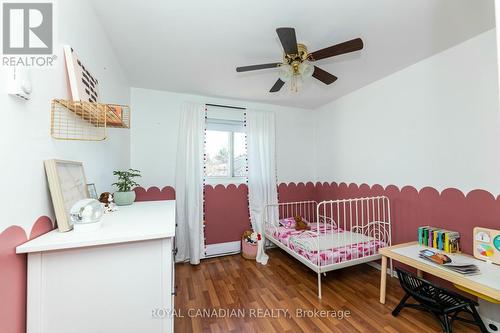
(226, 153)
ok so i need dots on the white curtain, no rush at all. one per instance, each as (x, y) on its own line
(189, 184)
(261, 140)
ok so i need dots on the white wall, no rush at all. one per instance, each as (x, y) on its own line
(24, 130)
(435, 123)
(497, 19)
(155, 128)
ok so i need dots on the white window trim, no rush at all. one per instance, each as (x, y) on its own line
(225, 180)
(225, 125)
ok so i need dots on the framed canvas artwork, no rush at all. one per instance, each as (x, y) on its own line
(67, 185)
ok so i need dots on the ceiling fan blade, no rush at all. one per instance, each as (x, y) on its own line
(345, 47)
(256, 67)
(323, 76)
(288, 40)
(277, 86)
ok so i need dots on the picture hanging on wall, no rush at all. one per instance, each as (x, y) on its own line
(84, 85)
(67, 185)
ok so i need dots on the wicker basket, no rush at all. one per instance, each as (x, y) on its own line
(248, 250)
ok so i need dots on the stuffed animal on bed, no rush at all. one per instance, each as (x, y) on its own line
(300, 224)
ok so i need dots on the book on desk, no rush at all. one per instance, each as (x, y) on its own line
(462, 266)
(441, 239)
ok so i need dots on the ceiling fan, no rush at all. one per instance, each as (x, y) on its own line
(297, 60)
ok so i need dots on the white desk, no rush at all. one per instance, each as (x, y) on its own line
(108, 280)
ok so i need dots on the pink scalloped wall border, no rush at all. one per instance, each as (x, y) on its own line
(226, 207)
(296, 192)
(450, 209)
(226, 213)
(154, 193)
(13, 275)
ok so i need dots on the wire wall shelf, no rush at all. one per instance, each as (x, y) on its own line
(86, 121)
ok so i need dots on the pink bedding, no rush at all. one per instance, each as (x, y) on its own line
(336, 254)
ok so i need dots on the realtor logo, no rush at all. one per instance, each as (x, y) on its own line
(27, 28)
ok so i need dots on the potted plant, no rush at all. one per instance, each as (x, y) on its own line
(125, 195)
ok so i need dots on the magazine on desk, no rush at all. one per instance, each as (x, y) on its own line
(459, 265)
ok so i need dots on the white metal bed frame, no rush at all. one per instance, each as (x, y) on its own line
(368, 216)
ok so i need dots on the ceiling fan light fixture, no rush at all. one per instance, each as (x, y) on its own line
(286, 73)
(306, 69)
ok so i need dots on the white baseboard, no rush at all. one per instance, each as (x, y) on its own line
(222, 249)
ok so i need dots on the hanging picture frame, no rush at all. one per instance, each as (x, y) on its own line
(92, 191)
(67, 185)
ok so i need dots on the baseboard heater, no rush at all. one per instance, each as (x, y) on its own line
(222, 249)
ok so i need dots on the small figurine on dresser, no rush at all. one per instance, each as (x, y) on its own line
(108, 202)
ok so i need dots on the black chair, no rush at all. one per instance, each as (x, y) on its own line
(445, 304)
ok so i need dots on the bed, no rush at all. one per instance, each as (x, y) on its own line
(340, 233)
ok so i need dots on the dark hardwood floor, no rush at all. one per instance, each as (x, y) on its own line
(231, 294)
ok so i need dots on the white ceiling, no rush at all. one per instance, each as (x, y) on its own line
(193, 46)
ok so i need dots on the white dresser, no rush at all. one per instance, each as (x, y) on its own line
(119, 278)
